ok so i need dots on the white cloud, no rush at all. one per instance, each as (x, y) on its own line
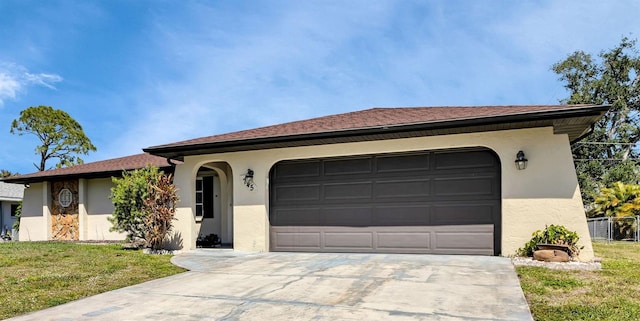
(9, 87)
(46, 80)
(14, 80)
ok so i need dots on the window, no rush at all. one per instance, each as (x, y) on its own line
(14, 209)
(65, 197)
(199, 198)
(204, 197)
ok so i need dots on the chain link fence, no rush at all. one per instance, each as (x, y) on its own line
(614, 228)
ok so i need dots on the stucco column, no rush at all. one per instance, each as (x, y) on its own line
(184, 225)
(250, 218)
(82, 209)
(46, 210)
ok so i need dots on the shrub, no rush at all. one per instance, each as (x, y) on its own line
(552, 234)
(619, 201)
(16, 223)
(144, 205)
(128, 197)
(160, 206)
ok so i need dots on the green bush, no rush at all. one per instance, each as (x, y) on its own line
(619, 201)
(144, 205)
(128, 197)
(16, 223)
(552, 234)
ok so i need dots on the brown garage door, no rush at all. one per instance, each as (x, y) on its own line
(445, 202)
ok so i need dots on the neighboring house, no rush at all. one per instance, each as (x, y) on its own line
(393, 180)
(10, 197)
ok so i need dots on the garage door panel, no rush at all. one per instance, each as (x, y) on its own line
(348, 240)
(465, 237)
(298, 239)
(298, 192)
(298, 169)
(404, 163)
(476, 186)
(348, 190)
(404, 240)
(462, 160)
(402, 188)
(459, 214)
(347, 216)
(299, 216)
(401, 215)
(348, 166)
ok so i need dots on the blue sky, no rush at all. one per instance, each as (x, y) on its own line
(143, 73)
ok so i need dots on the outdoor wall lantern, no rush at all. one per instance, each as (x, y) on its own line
(521, 162)
(248, 179)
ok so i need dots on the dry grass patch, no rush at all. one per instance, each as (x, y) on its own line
(610, 294)
(37, 275)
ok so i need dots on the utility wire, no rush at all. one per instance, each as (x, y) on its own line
(606, 159)
(602, 143)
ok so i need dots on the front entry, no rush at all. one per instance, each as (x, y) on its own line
(443, 202)
(208, 208)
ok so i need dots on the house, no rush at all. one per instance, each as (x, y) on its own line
(447, 180)
(10, 197)
(73, 203)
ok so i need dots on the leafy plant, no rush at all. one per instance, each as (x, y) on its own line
(619, 201)
(552, 234)
(128, 197)
(160, 207)
(16, 223)
(144, 205)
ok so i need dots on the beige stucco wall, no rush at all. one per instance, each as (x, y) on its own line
(32, 222)
(545, 193)
(99, 208)
(98, 228)
(94, 206)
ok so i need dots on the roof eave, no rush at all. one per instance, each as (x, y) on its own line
(178, 152)
(10, 199)
(88, 175)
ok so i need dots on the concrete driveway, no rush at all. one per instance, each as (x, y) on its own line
(227, 285)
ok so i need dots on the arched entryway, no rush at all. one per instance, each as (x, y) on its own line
(212, 205)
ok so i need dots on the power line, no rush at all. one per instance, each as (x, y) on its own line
(602, 143)
(606, 159)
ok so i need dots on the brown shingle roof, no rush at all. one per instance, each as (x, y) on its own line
(368, 118)
(105, 168)
(372, 120)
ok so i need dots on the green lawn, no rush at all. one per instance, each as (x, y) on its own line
(37, 275)
(610, 294)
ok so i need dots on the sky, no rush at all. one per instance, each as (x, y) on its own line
(141, 73)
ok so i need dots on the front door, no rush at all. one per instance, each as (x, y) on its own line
(207, 208)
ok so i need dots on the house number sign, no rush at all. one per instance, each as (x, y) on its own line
(65, 197)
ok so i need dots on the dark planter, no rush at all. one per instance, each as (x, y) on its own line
(560, 247)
